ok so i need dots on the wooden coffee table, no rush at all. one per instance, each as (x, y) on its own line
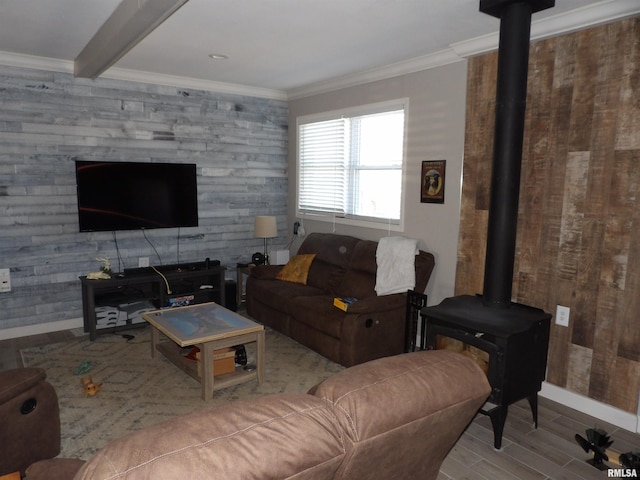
(209, 327)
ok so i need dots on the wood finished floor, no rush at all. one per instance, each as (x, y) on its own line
(549, 452)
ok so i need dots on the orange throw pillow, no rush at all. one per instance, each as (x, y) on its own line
(297, 269)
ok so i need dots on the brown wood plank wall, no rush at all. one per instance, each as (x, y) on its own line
(578, 238)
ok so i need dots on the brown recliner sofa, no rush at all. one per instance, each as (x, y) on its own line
(29, 419)
(344, 266)
(392, 418)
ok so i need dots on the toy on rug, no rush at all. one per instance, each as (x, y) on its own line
(83, 367)
(90, 388)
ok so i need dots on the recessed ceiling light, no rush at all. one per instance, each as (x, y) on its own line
(218, 56)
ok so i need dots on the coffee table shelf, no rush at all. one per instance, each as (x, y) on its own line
(172, 353)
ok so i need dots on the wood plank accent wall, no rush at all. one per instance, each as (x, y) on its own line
(578, 238)
(49, 119)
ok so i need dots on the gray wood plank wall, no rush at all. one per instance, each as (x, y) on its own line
(48, 120)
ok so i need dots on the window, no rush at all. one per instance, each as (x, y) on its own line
(350, 164)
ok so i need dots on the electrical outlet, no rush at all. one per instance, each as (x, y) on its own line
(5, 280)
(143, 261)
(562, 316)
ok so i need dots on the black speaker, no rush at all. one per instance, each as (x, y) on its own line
(258, 259)
(241, 355)
(230, 295)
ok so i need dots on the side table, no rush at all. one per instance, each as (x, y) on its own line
(416, 301)
(240, 273)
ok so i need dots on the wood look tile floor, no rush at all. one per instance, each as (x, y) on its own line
(546, 453)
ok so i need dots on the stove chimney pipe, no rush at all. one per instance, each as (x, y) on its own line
(511, 99)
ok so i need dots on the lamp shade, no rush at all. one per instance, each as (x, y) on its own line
(265, 227)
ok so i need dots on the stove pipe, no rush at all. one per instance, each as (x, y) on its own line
(511, 99)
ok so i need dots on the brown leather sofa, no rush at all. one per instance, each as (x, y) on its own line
(344, 266)
(392, 418)
(29, 419)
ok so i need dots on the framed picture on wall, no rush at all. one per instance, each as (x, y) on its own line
(432, 181)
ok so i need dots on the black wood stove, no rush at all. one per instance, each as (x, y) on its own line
(514, 336)
(515, 340)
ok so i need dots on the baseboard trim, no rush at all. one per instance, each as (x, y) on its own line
(602, 411)
(17, 332)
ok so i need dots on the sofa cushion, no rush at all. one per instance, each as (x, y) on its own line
(318, 313)
(333, 254)
(297, 269)
(277, 293)
(280, 436)
(359, 280)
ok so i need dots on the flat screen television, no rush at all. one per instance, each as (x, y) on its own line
(135, 195)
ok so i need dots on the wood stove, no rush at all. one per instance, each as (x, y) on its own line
(515, 341)
(514, 338)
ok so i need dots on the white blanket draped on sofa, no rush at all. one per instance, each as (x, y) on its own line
(396, 272)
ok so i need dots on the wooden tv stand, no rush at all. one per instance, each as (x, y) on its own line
(193, 279)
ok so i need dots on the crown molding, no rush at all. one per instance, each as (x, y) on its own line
(67, 66)
(37, 63)
(596, 14)
(584, 17)
(193, 83)
(413, 65)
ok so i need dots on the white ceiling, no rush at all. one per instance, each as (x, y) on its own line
(282, 47)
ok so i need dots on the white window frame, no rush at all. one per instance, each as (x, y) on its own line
(331, 217)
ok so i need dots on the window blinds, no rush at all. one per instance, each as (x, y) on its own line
(351, 167)
(323, 164)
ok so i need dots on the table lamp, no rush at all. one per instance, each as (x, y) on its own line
(265, 227)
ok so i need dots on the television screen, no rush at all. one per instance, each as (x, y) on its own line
(135, 195)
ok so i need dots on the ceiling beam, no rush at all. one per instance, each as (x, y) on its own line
(130, 22)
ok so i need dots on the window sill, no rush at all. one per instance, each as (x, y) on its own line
(379, 225)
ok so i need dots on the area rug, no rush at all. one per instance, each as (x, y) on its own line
(138, 391)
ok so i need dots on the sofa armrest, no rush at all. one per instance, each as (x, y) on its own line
(16, 381)
(383, 303)
(425, 262)
(418, 403)
(264, 272)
